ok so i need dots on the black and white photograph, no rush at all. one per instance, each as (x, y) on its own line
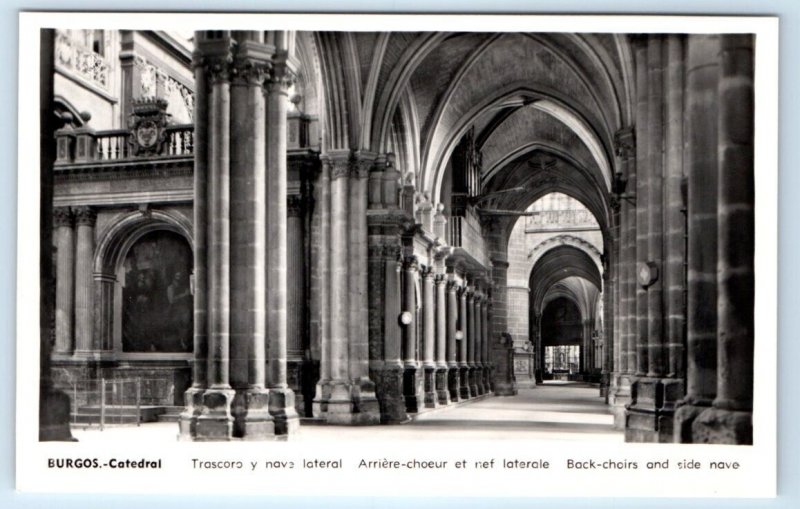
(406, 236)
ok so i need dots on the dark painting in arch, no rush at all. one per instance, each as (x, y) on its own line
(156, 298)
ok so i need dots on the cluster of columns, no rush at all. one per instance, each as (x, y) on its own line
(240, 385)
(75, 238)
(683, 284)
(345, 394)
(445, 332)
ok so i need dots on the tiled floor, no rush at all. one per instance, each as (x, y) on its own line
(554, 411)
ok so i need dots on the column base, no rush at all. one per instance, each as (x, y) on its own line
(683, 422)
(651, 413)
(322, 394)
(473, 381)
(722, 426)
(431, 397)
(454, 383)
(54, 413)
(641, 420)
(619, 399)
(251, 417)
(442, 392)
(464, 387)
(215, 422)
(353, 403)
(193, 405)
(282, 410)
(389, 391)
(413, 389)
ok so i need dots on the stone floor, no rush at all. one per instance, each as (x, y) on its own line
(554, 411)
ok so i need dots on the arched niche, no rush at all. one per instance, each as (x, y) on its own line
(143, 272)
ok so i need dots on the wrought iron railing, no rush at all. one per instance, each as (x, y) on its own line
(104, 401)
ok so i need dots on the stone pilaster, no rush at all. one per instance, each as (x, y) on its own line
(729, 420)
(85, 218)
(65, 279)
(702, 78)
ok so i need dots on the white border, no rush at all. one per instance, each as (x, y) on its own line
(756, 478)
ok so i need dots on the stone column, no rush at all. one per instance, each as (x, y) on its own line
(193, 398)
(643, 184)
(65, 279)
(85, 218)
(463, 327)
(442, 394)
(647, 390)
(365, 405)
(281, 397)
(730, 419)
(475, 356)
(453, 378)
(252, 420)
(501, 349)
(625, 149)
(340, 401)
(429, 339)
(392, 400)
(674, 238)
(321, 279)
(412, 377)
(702, 77)
(296, 298)
(215, 421)
(486, 376)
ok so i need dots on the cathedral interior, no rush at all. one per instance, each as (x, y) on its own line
(250, 230)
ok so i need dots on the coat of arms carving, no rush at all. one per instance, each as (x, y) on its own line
(148, 124)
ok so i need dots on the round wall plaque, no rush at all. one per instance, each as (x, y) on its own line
(647, 274)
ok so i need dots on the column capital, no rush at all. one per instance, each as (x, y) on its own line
(427, 272)
(440, 279)
(85, 216)
(410, 263)
(281, 77)
(452, 286)
(338, 161)
(249, 70)
(392, 251)
(361, 163)
(62, 216)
